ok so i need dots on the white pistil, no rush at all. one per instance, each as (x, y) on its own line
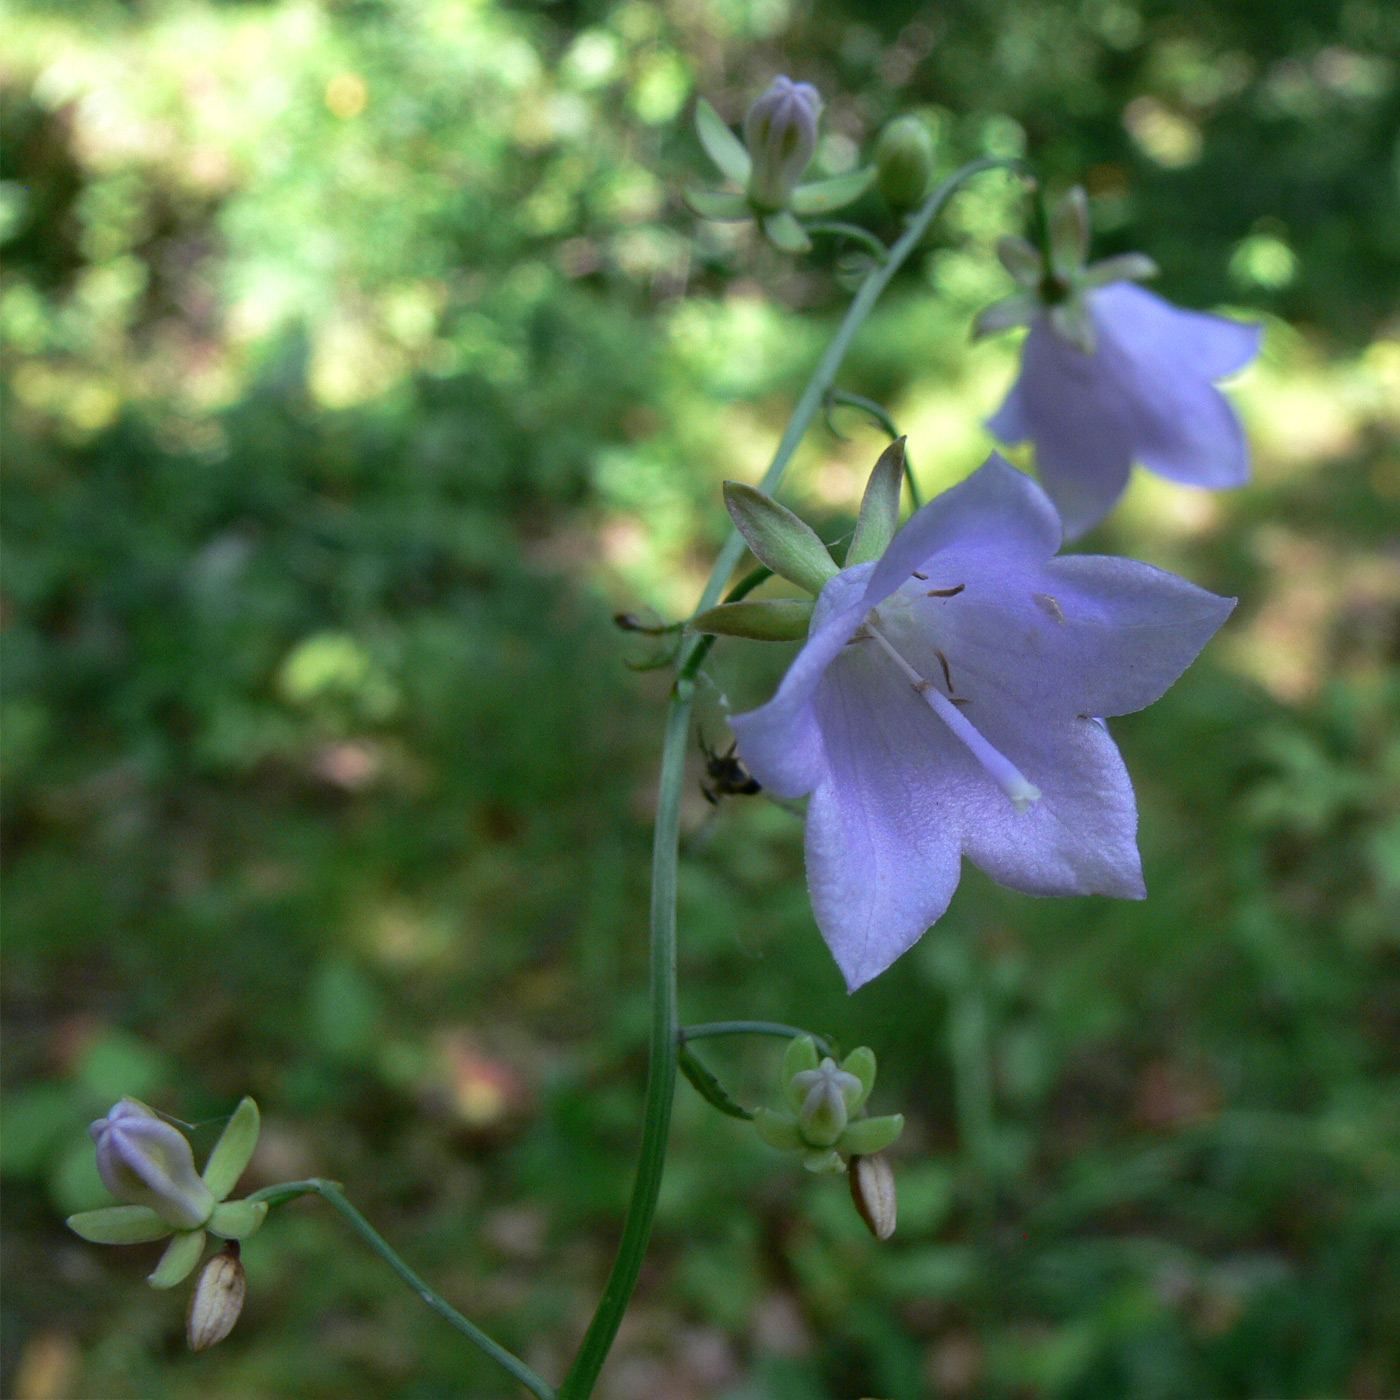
(1003, 772)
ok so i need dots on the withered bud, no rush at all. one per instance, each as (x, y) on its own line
(217, 1299)
(872, 1190)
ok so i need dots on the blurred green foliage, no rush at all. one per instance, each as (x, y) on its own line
(360, 361)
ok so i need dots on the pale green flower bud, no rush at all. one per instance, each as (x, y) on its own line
(904, 162)
(825, 1090)
(780, 131)
(146, 1162)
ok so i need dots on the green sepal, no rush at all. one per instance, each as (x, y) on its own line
(1005, 315)
(1069, 231)
(879, 507)
(119, 1225)
(777, 1130)
(828, 1162)
(1022, 260)
(787, 545)
(822, 196)
(708, 1087)
(761, 619)
(861, 1063)
(721, 144)
(799, 1057)
(180, 1257)
(236, 1220)
(783, 231)
(1071, 321)
(719, 204)
(231, 1153)
(1126, 267)
(867, 1135)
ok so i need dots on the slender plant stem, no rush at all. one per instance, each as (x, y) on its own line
(663, 1041)
(709, 1029)
(864, 237)
(330, 1192)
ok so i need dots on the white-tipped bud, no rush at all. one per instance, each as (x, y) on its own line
(144, 1161)
(872, 1190)
(780, 131)
(217, 1299)
(825, 1092)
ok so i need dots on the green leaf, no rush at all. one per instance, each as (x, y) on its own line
(719, 204)
(777, 1130)
(787, 545)
(181, 1255)
(762, 619)
(822, 196)
(708, 1087)
(32, 1120)
(119, 1225)
(861, 1063)
(783, 231)
(867, 1135)
(721, 144)
(233, 1149)
(879, 507)
(236, 1220)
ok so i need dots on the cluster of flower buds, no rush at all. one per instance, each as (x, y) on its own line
(780, 138)
(147, 1164)
(825, 1102)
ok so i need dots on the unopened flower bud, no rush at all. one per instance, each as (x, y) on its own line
(146, 1162)
(826, 1093)
(872, 1190)
(217, 1299)
(780, 131)
(904, 162)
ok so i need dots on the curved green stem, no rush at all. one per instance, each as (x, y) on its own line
(329, 1191)
(887, 423)
(663, 1042)
(709, 1029)
(864, 237)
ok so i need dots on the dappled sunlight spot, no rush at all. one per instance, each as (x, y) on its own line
(1316, 596)
(482, 1090)
(1161, 134)
(350, 364)
(346, 95)
(1155, 507)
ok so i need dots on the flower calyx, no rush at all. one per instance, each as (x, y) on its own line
(904, 162)
(825, 1101)
(780, 138)
(1054, 277)
(147, 1164)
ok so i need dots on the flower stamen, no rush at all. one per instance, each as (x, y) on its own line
(1020, 790)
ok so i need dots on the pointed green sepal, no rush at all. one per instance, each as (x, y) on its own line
(1069, 232)
(800, 1057)
(777, 1130)
(761, 619)
(1126, 267)
(1022, 260)
(879, 508)
(721, 144)
(180, 1257)
(231, 1153)
(787, 545)
(1005, 315)
(824, 1163)
(822, 196)
(719, 204)
(236, 1220)
(783, 231)
(119, 1225)
(867, 1135)
(1071, 322)
(861, 1063)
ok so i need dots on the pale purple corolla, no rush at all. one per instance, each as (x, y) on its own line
(948, 702)
(145, 1161)
(1145, 393)
(1112, 375)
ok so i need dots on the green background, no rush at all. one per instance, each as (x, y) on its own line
(361, 361)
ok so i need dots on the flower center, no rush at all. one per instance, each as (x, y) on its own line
(1000, 769)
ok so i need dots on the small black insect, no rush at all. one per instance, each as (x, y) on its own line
(727, 773)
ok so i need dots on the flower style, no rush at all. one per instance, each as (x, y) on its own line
(1111, 374)
(147, 1164)
(947, 702)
